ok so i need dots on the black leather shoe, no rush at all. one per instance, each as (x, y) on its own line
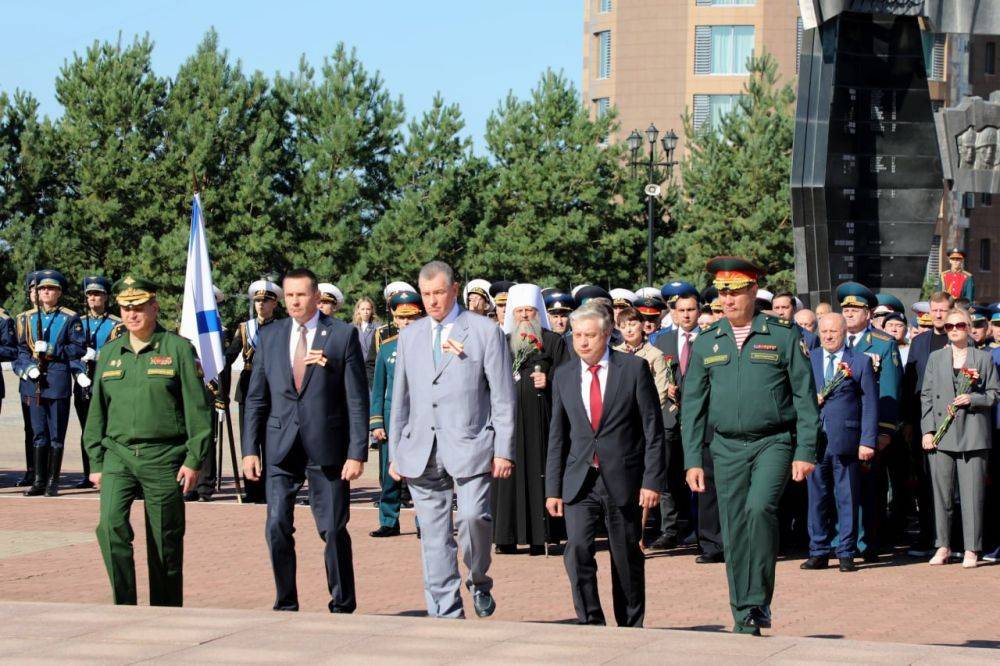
(191, 496)
(714, 558)
(535, 551)
(758, 617)
(847, 564)
(505, 549)
(484, 604)
(27, 480)
(84, 485)
(664, 542)
(815, 563)
(384, 531)
(870, 556)
(204, 498)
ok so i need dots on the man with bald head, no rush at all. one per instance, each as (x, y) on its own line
(806, 319)
(847, 393)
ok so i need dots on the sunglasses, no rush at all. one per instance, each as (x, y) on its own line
(959, 326)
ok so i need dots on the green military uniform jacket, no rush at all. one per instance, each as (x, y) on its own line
(765, 389)
(385, 368)
(154, 397)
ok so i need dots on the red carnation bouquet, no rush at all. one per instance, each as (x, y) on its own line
(842, 374)
(669, 360)
(968, 379)
(525, 352)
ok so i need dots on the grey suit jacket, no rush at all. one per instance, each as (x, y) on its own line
(466, 404)
(973, 427)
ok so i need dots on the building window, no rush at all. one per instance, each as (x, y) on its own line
(605, 6)
(722, 49)
(798, 42)
(604, 54)
(709, 110)
(601, 105)
(991, 58)
(984, 254)
(934, 55)
(986, 199)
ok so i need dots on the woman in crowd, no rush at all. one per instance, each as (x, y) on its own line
(960, 380)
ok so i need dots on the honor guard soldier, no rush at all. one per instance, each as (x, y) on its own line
(476, 296)
(651, 309)
(29, 436)
(386, 331)
(956, 280)
(98, 327)
(330, 298)
(856, 303)
(265, 296)
(50, 339)
(406, 307)
(749, 376)
(148, 430)
(621, 299)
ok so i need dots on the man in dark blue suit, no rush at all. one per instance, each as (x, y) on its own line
(849, 412)
(309, 391)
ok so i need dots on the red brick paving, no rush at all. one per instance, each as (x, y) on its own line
(227, 566)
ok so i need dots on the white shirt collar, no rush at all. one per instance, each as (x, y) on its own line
(310, 325)
(603, 362)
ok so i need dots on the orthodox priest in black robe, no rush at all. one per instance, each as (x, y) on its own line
(519, 515)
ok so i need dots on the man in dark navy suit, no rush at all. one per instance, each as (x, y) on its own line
(604, 464)
(849, 412)
(309, 391)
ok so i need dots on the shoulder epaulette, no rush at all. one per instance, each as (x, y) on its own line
(390, 339)
(3, 314)
(29, 311)
(66, 311)
(116, 332)
(778, 321)
(714, 326)
(114, 318)
(881, 335)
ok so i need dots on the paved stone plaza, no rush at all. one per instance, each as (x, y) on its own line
(48, 554)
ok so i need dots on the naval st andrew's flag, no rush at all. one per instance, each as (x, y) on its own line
(200, 322)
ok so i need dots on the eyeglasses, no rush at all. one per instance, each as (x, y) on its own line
(959, 326)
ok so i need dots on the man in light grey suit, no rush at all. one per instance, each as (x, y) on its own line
(451, 427)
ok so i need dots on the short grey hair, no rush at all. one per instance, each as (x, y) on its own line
(593, 310)
(432, 269)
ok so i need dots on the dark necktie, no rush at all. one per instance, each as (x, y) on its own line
(850, 342)
(829, 368)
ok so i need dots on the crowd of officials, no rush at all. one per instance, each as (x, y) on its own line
(663, 418)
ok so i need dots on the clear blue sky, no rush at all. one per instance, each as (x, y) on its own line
(473, 51)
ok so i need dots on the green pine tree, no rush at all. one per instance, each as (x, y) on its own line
(735, 198)
(560, 207)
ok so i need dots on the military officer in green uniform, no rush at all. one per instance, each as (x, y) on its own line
(749, 377)
(148, 430)
(406, 307)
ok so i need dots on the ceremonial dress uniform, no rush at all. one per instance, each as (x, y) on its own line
(244, 345)
(402, 304)
(957, 283)
(150, 414)
(48, 341)
(761, 401)
(97, 330)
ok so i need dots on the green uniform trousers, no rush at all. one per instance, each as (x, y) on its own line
(750, 477)
(154, 471)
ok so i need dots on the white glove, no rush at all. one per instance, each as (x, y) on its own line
(83, 380)
(41, 347)
(90, 355)
(33, 372)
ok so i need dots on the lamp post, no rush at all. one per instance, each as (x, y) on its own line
(652, 189)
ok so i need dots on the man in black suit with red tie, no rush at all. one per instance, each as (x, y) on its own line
(309, 394)
(605, 462)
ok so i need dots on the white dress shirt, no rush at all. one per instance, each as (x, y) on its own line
(586, 378)
(837, 356)
(680, 340)
(448, 322)
(293, 339)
